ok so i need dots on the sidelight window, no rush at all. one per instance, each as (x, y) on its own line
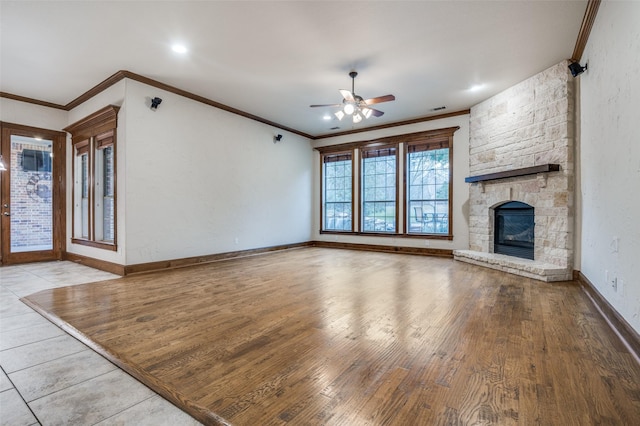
(94, 182)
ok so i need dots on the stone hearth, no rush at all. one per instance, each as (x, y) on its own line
(528, 125)
(527, 268)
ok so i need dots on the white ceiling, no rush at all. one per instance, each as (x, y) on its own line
(275, 58)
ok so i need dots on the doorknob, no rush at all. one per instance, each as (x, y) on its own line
(6, 214)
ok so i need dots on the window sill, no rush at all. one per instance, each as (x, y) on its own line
(391, 235)
(95, 244)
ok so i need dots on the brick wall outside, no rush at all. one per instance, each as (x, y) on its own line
(31, 215)
(529, 124)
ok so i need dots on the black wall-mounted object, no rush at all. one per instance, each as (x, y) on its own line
(155, 102)
(577, 69)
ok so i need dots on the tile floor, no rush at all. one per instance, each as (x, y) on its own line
(50, 378)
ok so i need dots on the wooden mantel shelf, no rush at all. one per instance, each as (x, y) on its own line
(545, 168)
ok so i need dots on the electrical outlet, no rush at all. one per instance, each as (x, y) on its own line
(427, 243)
(614, 284)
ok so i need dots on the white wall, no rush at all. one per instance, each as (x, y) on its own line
(32, 115)
(460, 188)
(610, 157)
(201, 180)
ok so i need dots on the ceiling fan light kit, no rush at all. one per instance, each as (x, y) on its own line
(349, 108)
(355, 106)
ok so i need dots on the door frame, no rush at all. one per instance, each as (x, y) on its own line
(59, 194)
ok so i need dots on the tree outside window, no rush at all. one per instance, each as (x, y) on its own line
(337, 192)
(379, 183)
(428, 190)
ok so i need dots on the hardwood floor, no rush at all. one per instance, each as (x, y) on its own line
(325, 336)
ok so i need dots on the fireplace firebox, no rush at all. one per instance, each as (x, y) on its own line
(514, 230)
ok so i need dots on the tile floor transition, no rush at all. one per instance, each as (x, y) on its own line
(50, 378)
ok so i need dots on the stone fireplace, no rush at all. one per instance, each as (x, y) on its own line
(521, 151)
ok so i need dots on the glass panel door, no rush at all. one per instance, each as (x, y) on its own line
(32, 198)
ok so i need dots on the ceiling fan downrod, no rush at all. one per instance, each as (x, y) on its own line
(353, 75)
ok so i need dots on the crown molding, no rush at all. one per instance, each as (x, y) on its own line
(585, 29)
(31, 101)
(115, 78)
(122, 74)
(395, 124)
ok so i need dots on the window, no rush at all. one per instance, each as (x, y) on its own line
(422, 209)
(94, 179)
(379, 182)
(428, 183)
(337, 196)
(108, 193)
(83, 174)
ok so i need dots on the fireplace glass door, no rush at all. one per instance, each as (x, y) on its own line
(514, 230)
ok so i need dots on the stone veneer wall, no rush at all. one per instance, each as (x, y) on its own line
(527, 125)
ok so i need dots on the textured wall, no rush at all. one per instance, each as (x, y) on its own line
(610, 157)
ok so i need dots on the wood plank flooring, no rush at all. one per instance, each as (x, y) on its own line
(318, 336)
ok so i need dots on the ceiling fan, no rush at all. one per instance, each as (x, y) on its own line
(355, 105)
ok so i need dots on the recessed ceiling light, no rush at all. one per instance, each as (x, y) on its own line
(179, 48)
(326, 117)
(476, 87)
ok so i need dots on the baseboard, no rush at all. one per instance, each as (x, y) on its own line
(161, 265)
(197, 260)
(103, 265)
(423, 251)
(620, 326)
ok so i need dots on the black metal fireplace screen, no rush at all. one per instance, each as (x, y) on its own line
(514, 230)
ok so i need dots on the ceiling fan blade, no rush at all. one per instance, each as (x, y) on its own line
(347, 95)
(376, 112)
(380, 99)
(326, 105)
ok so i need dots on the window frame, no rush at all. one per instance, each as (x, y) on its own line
(89, 135)
(378, 146)
(351, 153)
(402, 142)
(433, 141)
